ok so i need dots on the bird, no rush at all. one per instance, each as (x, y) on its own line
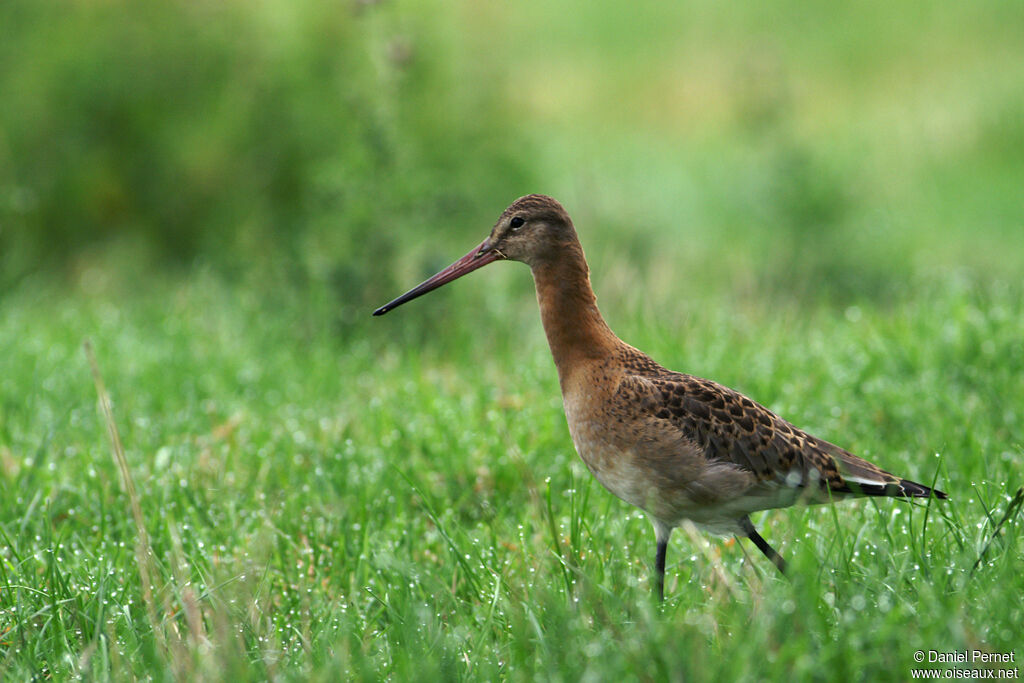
(677, 446)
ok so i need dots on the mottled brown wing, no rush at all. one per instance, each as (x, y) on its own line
(729, 426)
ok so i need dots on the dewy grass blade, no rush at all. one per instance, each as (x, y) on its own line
(1012, 510)
(143, 548)
(556, 547)
(471, 577)
(488, 624)
(928, 507)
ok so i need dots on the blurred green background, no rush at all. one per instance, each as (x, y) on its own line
(807, 151)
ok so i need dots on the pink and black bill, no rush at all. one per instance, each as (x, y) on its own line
(477, 258)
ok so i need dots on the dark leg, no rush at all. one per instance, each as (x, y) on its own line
(661, 532)
(762, 545)
(659, 568)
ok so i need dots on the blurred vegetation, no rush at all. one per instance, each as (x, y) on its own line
(806, 153)
(256, 137)
(813, 154)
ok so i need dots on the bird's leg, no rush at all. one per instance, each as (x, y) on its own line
(659, 568)
(762, 545)
(661, 532)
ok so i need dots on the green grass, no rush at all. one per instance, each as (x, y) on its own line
(367, 502)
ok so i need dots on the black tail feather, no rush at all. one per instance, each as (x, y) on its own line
(911, 489)
(903, 489)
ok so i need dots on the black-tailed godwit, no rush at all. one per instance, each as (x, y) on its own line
(677, 446)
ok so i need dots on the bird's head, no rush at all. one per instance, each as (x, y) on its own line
(533, 229)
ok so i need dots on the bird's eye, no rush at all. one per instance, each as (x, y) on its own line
(516, 222)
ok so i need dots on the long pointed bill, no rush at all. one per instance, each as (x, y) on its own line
(477, 258)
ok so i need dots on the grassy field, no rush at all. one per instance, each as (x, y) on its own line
(822, 211)
(375, 503)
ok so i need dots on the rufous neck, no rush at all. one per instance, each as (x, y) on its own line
(574, 327)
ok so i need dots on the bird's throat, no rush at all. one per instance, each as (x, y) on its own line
(574, 327)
